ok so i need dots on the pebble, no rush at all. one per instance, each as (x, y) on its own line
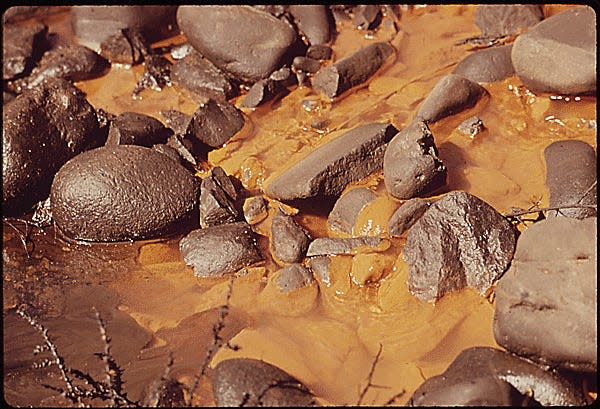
(346, 209)
(215, 122)
(255, 209)
(289, 241)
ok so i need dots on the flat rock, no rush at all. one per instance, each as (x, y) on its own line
(255, 209)
(293, 277)
(243, 41)
(328, 169)
(122, 192)
(251, 382)
(22, 47)
(220, 250)
(546, 303)
(411, 166)
(215, 122)
(450, 95)
(559, 54)
(346, 209)
(488, 65)
(218, 199)
(289, 241)
(497, 20)
(406, 215)
(132, 128)
(313, 21)
(42, 129)
(329, 246)
(459, 241)
(467, 382)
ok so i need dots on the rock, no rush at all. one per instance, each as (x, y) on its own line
(176, 120)
(122, 192)
(293, 277)
(289, 241)
(570, 173)
(132, 128)
(488, 65)
(411, 166)
(320, 268)
(346, 209)
(313, 20)
(353, 70)
(406, 215)
(497, 20)
(246, 43)
(451, 94)
(325, 172)
(471, 127)
(184, 148)
(200, 76)
(276, 10)
(218, 199)
(460, 241)
(328, 246)
(255, 209)
(42, 129)
(559, 54)
(22, 47)
(467, 382)
(169, 151)
(305, 64)
(215, 122)
(546, 303)
(181, 51)
(243, 381)
(220, 250)
(156, 76)
(319, 52)
(124, 47)
(262, 91)
(366, 17)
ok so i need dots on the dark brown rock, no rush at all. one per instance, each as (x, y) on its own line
(546, 303)
(215, 122)
(488, 65)
(497, 20)
(262, 91)
(406, 215)
(313, 20)
(411, 166)
(132, 128)
(459, 241)
(176, 120)
(184, 148)
(289, 240)
(305, 64)
(220, 250)
(319, 52)
(22, 47)
(218, 199)
(366, 17)
(124, 47)
(156, 76)
(328, 169)
(328, 246)
(346, 209)
(293, 277)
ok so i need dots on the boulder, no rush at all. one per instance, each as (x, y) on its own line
(346, 209)
(289, 241)
(488, 65)
(497, 20)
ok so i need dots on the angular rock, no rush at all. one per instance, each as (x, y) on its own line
(406, 215)
(220, 250)
(22, 47)
(262, 91)
(132, 128)
(451, 94)
(346, 209)
(251, 382)
(471, 126)
(559, 54)
(289, 241)
(460, 241)
(319, 52)
(122, 192)
(328, 169)
(488, 65)
(313, 21)
(320, 268)
(305, 64)
(124, 47)
(497, 20)
(546, 303)
(218, 199)
(247, 43)
(353, 70)
(467, 380)
(293, 277)
(570, 177)
(176, 120)
(169, 151)
(411, 166)
(184, 148)
(255, 209)
(328, 246)
(215, 122)
(42, 129)
(156, 76)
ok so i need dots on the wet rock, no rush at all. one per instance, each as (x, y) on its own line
(305, 64)
(471, 126)
(276, 10)
(559, 54)
(169, 151)
(218, 199)
(22, 47)
(319, 52)
(497, 20)
(320, 268)
(459, 241)
(293, 277)
(181, 51)
(220, 250)
(122, 192)
(200, 76)
(184, 148)
(255, 209)
(570, 176)
(451, 94)
(488, 65)
(346, 209)
(247, 43)
(289, 241)
(124, 47)
(366, 17)
(42, 129)
(132, 128)
(406, 215)
(250, 382)
(467, 382)
(353, 70)
(176, 120)
(328, 169)
(262, 91)
(215, 122)
(546, 303)
(156, 76)
(411, 166)
(313, 21)
(328, 246)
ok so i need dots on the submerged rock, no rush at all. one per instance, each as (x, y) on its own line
(346, 209)
(132, 128)
(328, 246)
(289, 241)
(488, 65)
(497, 20)
(293, 277)
(320, 268)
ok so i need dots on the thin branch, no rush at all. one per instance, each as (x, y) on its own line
(153, 399)
(589, 189)
(22, 236)
(370, 376)
(394, 398)
(545, 209)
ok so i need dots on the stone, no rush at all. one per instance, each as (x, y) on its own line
(22, 47)
(498, 20)
(156, 76)
(124, 47)
(406, 215)
(327, 170)
(262, 91)
(176, 120)
(218, 199)
(571, 177)
(411, 166)
(132, 128)
(293, 277)
(329, 246)
(459, 241)
(215, 122)
(488, 65)
(450, 95)
(471, 126)
(319, 52)
(181, 51)
(352, 70)
(184, 148)
(289, 241)
(42, 129)
(320, 268)
(251, 382)
(346, 209)
(243, 41)
(547, 303)
(558, 55)
(220, 250)
(305, 64)
(366, 17)
(123, 192)
(255, 209)
(313, 21)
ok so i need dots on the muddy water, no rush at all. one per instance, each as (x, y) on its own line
(326, 336)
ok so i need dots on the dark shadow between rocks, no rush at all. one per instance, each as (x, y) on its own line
(456, 163)
(317, 206)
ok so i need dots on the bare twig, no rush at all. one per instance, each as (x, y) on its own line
(393, 399)
(154, 397)
(22, 236)
(370, 377)
(589, 189)
(545, 209)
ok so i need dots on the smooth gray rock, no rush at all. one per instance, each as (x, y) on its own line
(293, 277)
(406, 215)
(132, 128)
(497, 20)
(215, 122)
(218, 199)
(289, 241)
(329, 246)
(320, 268)
(313, 20)
(488, 65)
(346, 209)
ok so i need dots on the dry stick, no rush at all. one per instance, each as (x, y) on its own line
(393, 399)
(105, 354)
(154, 397)
(370, 376)
(589, 189)
(545, 209)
